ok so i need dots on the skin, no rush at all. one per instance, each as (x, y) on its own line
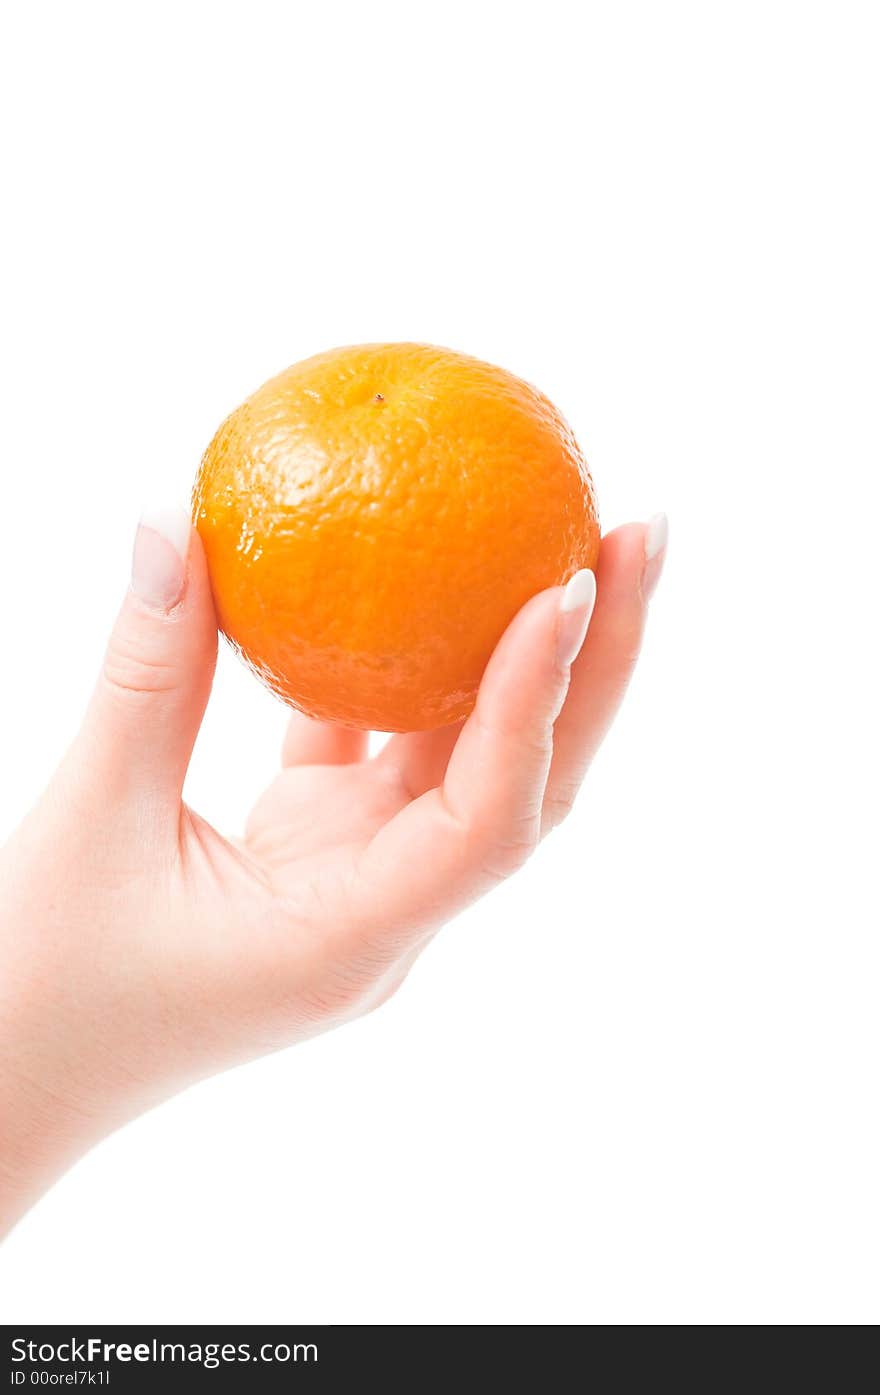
(140, 950)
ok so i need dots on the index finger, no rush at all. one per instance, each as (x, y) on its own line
(449, 845)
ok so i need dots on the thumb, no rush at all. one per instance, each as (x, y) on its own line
(145, 713)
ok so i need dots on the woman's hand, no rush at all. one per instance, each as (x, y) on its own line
(141, 950)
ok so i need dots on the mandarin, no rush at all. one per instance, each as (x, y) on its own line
(374, 517)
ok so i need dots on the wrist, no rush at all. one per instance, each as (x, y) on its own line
(43, 1132)
(49, 1113)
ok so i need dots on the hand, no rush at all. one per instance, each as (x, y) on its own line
(141, 950)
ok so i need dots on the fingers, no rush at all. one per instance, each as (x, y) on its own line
(453, 842)
(627, 576)
(420, 757)
(145, 713)
(629, 566)
(308, 742)
(498, 771)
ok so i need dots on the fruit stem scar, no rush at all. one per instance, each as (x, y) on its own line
(378, 397)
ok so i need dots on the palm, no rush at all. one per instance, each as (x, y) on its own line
(313, 811)
(349, 864)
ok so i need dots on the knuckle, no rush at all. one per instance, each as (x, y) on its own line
(504, 856)
(559, 805)
(625, 639)
(497, 853)
(131, 668)
(531, 740)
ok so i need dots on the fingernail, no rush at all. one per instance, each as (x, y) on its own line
(575, 610)
(656, 538)
(158, 564)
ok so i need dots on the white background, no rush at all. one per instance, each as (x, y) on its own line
(639, 1084)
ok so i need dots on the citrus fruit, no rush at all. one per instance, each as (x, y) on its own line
(374, 517)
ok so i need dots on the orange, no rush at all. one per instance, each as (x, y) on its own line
(374, 517)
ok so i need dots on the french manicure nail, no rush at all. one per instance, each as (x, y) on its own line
(575, 610)
(656, 538)
(158, 564)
